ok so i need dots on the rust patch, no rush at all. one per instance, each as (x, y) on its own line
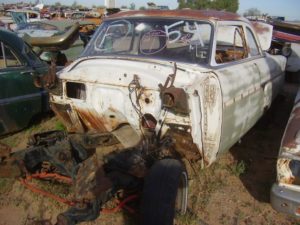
(186, 14)
(91, 120)
(147, 97)
(284, 173)
(175, 99)
(112, 119)
(185, 146)
(62, 112)
(259, 28)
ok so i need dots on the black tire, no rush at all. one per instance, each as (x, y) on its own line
(165, 188)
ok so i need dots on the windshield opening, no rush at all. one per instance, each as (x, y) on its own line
(169, 39)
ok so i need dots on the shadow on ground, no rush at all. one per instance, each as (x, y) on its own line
(259, 147)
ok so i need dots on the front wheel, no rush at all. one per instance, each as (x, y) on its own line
(165, 191)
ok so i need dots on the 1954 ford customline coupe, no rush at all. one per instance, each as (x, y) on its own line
(152, 92)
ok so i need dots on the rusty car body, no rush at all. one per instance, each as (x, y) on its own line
(285, 192)
(153, 92)
(207, 84)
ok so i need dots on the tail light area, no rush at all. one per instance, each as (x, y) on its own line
(76, 90)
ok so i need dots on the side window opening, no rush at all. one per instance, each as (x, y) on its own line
(231, 45)
(252, 44)
(8, 57)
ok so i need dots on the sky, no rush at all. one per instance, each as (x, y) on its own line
(288, 8)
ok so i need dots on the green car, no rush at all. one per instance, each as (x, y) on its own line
(20, 100)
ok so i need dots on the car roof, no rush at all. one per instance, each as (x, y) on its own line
(12, 38)
(211, 15)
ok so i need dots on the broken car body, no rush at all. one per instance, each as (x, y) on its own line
(285, 192)
(205, 94)
(151, 91)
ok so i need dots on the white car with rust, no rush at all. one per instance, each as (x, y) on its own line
(155, 90)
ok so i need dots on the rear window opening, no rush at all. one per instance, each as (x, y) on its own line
(76, 90)
(167, 39)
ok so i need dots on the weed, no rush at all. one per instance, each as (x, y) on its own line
(10, 141)
(239, 215)
(256, 209)
(32, 128)
(189, 218)
(208, 182)
(6, 185)
(246, 204)
(59, 126)
(269, 219)
(225, 219)
(26, 205)
(238, 168)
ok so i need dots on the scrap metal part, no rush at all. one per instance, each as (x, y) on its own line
(288, 164)
(285, 192)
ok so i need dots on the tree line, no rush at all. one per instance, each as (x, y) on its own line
(225, 5)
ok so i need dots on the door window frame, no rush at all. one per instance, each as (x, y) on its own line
(4, 47)
(242, 24)
(253, 34)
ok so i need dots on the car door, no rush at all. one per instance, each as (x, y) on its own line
(240, 78)
(19, 98)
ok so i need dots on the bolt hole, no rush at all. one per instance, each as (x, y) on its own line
(147, 100)
(112, 116)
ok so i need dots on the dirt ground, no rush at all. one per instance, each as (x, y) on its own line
(234, 191)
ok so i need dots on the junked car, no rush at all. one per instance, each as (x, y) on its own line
(153, 92)
(20, 99)
(285, 192)
(15, 16)
(286, 36)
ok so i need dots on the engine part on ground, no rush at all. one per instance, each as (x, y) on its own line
(97, 175)
(46, 138)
